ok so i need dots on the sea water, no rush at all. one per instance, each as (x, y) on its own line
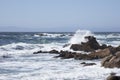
(17, 61)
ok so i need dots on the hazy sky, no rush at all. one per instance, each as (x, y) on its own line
(59, 15)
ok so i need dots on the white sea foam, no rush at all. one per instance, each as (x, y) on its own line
(50, 35)
(79, 36)
(25, 48)
(27, 66)
(45, 67)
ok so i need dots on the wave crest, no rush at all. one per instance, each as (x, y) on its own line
(79, 36)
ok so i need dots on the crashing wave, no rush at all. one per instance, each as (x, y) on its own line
(79, 36)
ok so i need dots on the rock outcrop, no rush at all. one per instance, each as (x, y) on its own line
(88, 46)
(111, 61)
(79, 56)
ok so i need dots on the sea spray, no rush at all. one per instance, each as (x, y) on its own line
(79, 36)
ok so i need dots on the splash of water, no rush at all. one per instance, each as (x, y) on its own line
(79, 36)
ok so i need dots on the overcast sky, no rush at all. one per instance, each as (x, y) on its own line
(59, 15)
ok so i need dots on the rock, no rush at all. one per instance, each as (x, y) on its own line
(117, 54)
(37, 52)
(66, 54)
(54, 51)
(113, 77)
(87, 64)
(100, 54)
(93, 55)
(90, 45)
(111, 61)
(103, 46)
(83, 63)
(80, 56)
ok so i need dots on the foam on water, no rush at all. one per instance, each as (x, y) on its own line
(79, 36)
(50, 35)
(45, 67)
(24, 65)
(25, 48)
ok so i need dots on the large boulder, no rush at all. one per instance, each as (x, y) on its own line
(111, 61)
(90, 45)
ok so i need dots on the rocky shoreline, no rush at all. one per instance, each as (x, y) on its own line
(109, 55)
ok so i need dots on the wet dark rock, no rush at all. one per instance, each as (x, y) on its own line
(113, 77)
(66, 54)
(54, 51)
(103, 46)
(41, 52)
(87, 64)
(83, 63)
(37, 52)
(89, 46)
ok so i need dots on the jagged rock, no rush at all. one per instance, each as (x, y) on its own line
(90, 45)
(111, 61)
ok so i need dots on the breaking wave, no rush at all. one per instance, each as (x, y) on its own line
(79, 36)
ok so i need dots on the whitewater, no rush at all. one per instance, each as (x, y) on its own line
(17, 61)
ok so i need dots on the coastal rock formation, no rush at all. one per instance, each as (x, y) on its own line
(111, 61)
(89, 46)
(79, 56)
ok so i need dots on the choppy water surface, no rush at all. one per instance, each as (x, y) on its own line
(21, 64)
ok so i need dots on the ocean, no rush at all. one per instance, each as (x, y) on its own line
(17, 61)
